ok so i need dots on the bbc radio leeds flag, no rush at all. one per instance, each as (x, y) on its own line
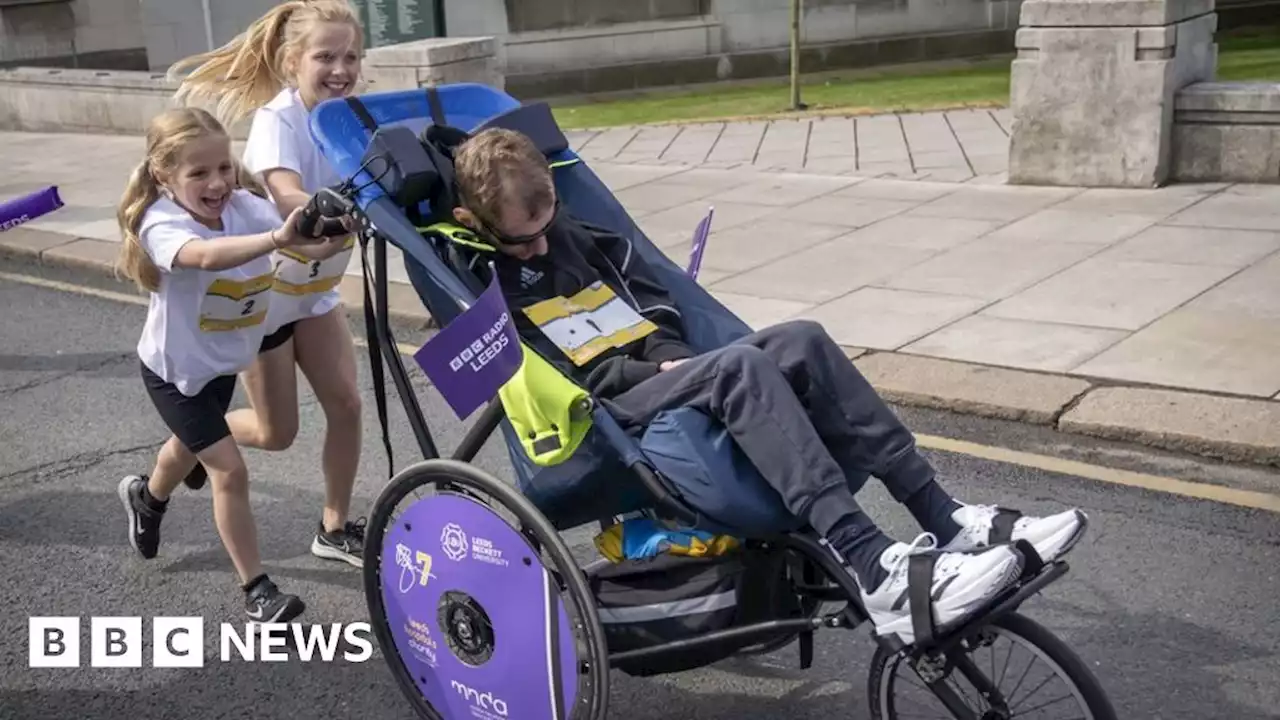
(471, 358)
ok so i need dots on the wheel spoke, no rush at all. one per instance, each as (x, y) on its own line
(1044, 705)
(911, 680)
(1033, 692)
(982, 704)
(1005, 668)
(1023, 678)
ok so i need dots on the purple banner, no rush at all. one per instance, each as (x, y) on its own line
(25, 209)
(475, 355)
(477, 620)
(700, 235)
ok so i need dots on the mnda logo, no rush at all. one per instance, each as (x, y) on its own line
(485, 701)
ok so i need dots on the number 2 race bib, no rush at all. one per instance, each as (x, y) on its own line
(590, 322)
(300, 275)
(235, 304)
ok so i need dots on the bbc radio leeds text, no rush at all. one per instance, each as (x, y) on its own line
(179, 642)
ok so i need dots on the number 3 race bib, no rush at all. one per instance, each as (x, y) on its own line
(300, 275)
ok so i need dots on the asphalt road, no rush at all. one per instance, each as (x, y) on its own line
(1174, 602)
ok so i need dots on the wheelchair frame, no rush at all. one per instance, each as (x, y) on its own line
(928, 655)
(933, 656)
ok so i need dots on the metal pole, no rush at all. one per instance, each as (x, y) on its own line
(208, 24)
(438, 10)
(795, 55)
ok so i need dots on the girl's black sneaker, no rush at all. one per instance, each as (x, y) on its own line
(265, 603)
(346, 544)
(144, 513)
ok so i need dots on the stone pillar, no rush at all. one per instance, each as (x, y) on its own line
(1093, 86)
(434, 61)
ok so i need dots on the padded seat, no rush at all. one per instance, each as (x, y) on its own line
(703, 461)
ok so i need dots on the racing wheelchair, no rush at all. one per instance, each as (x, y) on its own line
(477, 603)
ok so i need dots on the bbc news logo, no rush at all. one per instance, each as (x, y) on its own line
(179, 642)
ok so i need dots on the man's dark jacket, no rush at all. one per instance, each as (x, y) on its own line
(578, 255)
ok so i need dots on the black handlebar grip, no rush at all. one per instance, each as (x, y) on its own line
(325, 207)
(310, 217)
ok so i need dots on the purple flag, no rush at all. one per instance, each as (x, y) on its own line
(25, 209)
(700, 235)
(475, 355)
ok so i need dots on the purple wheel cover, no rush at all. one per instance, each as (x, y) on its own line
(454, 544)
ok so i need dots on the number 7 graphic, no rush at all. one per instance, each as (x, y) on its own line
(425, 559)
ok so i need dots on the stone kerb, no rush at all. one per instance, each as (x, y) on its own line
(124, 102)
(89, 101)
(86, 101)
(434, 61)
(1093, 88)
(1227, 132)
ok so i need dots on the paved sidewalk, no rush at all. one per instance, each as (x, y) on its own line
(1176, 287)
(952, 146)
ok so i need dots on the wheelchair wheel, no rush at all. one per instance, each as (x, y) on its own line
(478, 607)
(1029, 671)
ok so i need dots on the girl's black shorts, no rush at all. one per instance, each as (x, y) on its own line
(276, 339)
(198, 422)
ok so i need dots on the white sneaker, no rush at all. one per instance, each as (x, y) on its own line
(962, 583)
(986, 525)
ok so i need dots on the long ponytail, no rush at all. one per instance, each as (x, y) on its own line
(244, 74)
(141, 192)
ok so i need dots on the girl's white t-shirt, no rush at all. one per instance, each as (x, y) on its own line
(280, 137)
(202, 324)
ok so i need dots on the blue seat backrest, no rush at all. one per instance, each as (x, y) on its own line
(696, 453)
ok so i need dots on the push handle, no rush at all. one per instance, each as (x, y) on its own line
(324, 210)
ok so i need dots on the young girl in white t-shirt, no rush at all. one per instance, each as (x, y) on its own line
(315, 46)
(201, 244)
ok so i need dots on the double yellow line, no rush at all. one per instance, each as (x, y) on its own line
(1047, 463)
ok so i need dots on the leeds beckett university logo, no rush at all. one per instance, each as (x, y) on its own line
(178, 642)
(454, 542)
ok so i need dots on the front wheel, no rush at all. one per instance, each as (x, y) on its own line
(1025, 670)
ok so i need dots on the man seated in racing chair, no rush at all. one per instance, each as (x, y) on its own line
(788, 395)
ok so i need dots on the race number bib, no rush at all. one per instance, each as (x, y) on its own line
(587, 324)
(235, 304)
(300, 275)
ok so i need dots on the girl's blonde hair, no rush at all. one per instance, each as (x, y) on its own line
(167, 135)
(247, 72)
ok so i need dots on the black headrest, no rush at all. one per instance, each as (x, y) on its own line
(537, 122)
(404, 169)
(422, 166)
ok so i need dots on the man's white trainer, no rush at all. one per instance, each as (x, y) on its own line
(962, 583)
(983, 526)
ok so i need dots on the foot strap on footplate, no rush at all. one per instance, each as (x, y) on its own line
(1002, 526)
(1033, 563)
(919, 592)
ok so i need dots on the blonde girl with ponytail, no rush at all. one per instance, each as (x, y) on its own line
(198, 233)
(297, 55)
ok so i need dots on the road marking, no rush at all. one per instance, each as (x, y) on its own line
(73, 288)
(1174, 486)
(404, 348)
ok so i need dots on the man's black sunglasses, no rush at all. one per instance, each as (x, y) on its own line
(504, 239)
